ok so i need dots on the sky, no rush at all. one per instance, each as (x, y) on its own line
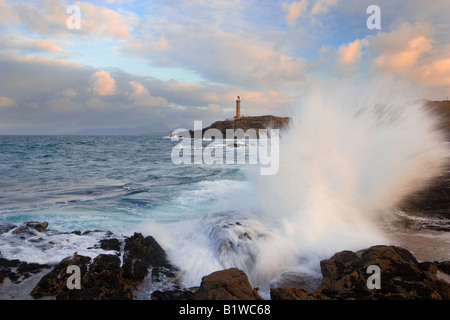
(163, 64)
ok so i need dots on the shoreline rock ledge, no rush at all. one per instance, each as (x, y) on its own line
(138, 260)
(402, 277)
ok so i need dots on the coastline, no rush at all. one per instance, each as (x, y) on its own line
(138, 269)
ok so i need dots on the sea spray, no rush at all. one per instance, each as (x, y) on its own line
(352, 155)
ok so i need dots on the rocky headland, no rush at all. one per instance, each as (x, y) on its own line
(245, 123)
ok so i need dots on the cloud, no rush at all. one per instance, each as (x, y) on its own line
(64, 106)
(96, 103)
(106, 22)
(142, 97)
(30, 44)
(294, 10)
(219, 56)
(322, 6)
(349, 54)
(49, 17)
(406, 57)
(102, 83)
(401, 48)
(6, 102)
(69, 93)
(436, 73)
(214, 108)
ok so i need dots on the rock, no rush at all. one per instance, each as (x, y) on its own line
(230, 284)
(444, 266)
(104, 281)
(55, 281)
(288, 293)
(6, 267)
(110, 244)
(245, 123)
(29, 228)
(6, 227)
(140, 254)
(100, 280)
(16, 270)
(172, 295)
(402, 276)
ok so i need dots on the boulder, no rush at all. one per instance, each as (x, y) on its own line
(288, 293)
(6, 227)
(402, 276)
(100, 280)
(110, 244)
(30, 228)
(55, 281)
(104, 281)
(172, 295)
(230, 284)
(141, 254)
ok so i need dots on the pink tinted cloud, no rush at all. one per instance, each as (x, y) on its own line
(102, 83)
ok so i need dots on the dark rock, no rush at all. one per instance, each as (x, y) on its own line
(402, 276)
(288, 293)
(110, 244)
(246, 123)
(140, 254)
(6, 267)
(29, 228)
(444, 266)
(16, 270)
(104, 281)
(91, 231)
(26, 269)
(55, 281)
(172, 295)
(6, 227)
(100, 280)
(230, 284)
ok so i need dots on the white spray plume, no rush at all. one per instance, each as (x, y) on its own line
(352, 154)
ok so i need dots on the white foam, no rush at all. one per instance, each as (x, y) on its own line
(49, 247)
(350, 156)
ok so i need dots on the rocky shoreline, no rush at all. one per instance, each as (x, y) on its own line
(130, 266)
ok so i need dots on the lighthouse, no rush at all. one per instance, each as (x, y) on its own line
(238, 107)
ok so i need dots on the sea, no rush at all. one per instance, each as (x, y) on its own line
(122, 185)
(344, 166)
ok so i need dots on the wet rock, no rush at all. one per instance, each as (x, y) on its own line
(288, 293)
(104, 281)
(6, 227)
(230, 284)
(30, 228)
(110, 244)
(402, 276)
(444, 266)
(6, 269)
(55, 281)
(100, 280)
(140, 254)
(172, 295)
(16, 270)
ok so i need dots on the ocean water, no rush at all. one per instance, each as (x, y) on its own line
(103, 182)
(121, 184)
(344, 166)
